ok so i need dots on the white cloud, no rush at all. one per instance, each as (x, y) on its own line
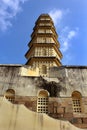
(71, 34)
(66, 33)
(66, 36)
(8, 9)
(56, 15)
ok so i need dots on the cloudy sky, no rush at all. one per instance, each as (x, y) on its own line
(17, 19)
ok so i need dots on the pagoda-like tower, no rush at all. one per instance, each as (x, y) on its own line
(44, 47)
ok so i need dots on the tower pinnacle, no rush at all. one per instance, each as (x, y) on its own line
(44, 47)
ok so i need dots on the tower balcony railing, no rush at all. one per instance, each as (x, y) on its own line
(51, 58)
(45, 43)
(51, 34)
(45, 56)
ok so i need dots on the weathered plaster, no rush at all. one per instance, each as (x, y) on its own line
(64, 79)
(17, 117)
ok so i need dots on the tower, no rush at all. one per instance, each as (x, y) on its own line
(44, 47)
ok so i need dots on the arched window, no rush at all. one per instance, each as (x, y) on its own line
(10, 95)
(76, 99)
(42, 102)
(44, 69)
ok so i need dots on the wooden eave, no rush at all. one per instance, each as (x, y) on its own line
(35, 32)
(44, 16)
(44, 21)
(30, 61)
(43, 45)
(58, 51)
(44, 35)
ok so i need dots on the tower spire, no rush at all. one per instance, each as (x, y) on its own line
(44, 47)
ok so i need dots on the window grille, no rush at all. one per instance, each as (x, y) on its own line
(76, 101)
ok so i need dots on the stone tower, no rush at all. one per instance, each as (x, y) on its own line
(44, 47)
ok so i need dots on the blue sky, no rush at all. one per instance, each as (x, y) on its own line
(17, 19)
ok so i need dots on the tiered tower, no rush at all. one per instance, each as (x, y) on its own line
(44, 47)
